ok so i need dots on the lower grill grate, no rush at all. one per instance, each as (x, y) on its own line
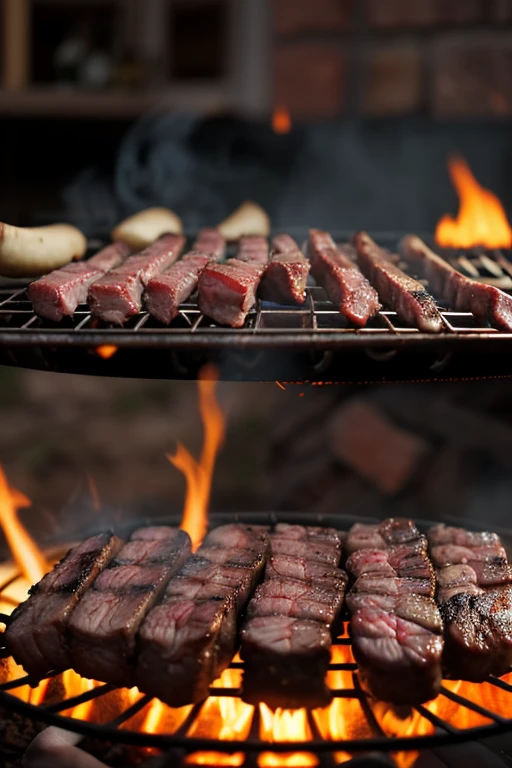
(364, 729)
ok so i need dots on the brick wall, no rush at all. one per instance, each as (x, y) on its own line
(382, 58)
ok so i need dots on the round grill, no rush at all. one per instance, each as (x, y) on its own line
(441, 731)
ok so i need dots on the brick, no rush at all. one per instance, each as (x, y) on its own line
(393, 82)
(309, 79)
(298, 17)
(472, 75)
(363, 438)
(423, 13)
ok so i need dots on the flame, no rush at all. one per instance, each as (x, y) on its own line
(285, 725)
(26, 553)
(106, 351)
(481, 220)
(281, 121)
(199, 474)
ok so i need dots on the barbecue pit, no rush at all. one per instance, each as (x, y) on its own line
(360, 724)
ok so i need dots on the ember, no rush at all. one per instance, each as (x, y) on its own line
(481, 220)
(106, 351)
(281, 121)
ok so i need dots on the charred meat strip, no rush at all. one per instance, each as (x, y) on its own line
(284, 281)
(103, 628)
(485, 302)
(227, 292)
(395, 625)
(58, 294)
(284, 244)
(475, 600)
(166, 291)
(405, 295)
(190, 638)
(287, 636)
(37, 632)
(118, 296)
(336, 271)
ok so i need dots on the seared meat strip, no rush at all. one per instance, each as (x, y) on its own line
(405, 295)
(395, 625)
(284, 281)
(118, 296)
(475, 601)
(227, 292)
(485, 302)
(36, 634)
(58, 294)
(284, 244)
(166, 291)
(103, 628)
(336, 271)
(287, 636)
(190, 638)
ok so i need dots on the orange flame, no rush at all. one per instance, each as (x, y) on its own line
(199, 474)
(281, 121)
(106, 351)
(481, 220)
(24, 550)
(285, 725)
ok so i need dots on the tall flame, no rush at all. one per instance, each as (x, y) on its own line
(281, 121)
(25, 551)
(285, 725)
(481, 220)
(199, 474)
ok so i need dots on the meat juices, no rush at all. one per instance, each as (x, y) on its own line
(485, 302)
(166, 291)
(287, 635)
(284, 281)
(103, 628)
(36, 634)
(227, 292)
(58, 294)
(342, 281)
(187, 641)
(475, 601)
(395, 625)
(405, 295)
(118, 296)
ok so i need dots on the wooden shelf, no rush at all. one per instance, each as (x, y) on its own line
(62, 102)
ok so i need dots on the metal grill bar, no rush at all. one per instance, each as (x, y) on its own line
(65, 704)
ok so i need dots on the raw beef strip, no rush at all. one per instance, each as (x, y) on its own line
(335, 270)
(58, 294)
(405, 295)
(284, 281)
(118, 296)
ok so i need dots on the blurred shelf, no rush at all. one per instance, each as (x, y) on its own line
(61, 102)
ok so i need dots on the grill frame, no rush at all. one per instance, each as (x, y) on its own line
(112, 733)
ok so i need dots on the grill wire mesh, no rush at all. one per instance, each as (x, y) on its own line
(444, 732)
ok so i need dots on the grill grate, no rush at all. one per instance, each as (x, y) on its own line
(443, 733)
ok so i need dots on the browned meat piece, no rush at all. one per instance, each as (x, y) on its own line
(285, 278)
(339, 276)
(103, 628)
(286, 638)
(405, 295)
(190, 638)
(284, 244)
(485, 302)
(475, 600)
(165, 292)
(58, 294)
(118, 296)
(36, 635)
(395, 625)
